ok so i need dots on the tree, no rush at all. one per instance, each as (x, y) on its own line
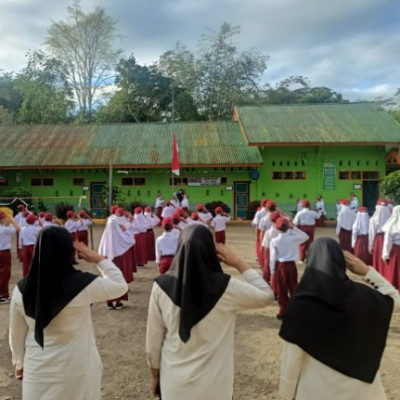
(227, 76)
(84, 43)
(296, 90)
(145, 95)
(46, 95)
(10, 98)
(390, 186)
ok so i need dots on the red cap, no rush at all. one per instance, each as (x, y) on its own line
(167, 222)
(30, 219)
(82, 213)
(305, 203)
(48, 216)
(114, 208)
(21, 207)
(345, 202)
(263, 202)
(2, 214)
(42, 214)
(179, 212)
(282, 223)
(274, 216)
(167, 203)
(138, 210)
(219, 210)
(381, 202)
(362, 209)
(148, 209)
(25, 214)
(119, 212)
(126, 213)
(199, 207)
(259, 208)
(70, 214)
(270, 204)
(195, 215)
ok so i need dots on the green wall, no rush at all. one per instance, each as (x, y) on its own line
(311, 160)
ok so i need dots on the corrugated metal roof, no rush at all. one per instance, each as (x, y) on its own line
(359, 123)
(147, 145)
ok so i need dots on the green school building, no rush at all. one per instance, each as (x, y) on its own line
(282, 152)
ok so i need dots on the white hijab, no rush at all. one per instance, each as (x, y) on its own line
(392, 225)
(381, 215)
(360, 226)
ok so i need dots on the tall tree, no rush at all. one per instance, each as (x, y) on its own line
(145, 95)
(46, 95)
(10, 97)
(84, 43)
(227, 76)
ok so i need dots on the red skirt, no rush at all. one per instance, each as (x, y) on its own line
(83, 237)
(285, 283)
(320, 221)
(5, 272)
(361, 249)
(132, 255)
(266, 269)
(165, 264)
(392, 269)
(220, 237)
(151, 245)
(124, 263)
(158, 213)
(26, 256)
(345, 240)
(141, 248)
(377, 262)
(303, 247)
(258, 248)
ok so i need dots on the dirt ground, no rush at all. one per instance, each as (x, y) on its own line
(121, 338)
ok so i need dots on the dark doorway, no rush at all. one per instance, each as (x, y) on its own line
(241, 195)
(370, 193)
(97, 198)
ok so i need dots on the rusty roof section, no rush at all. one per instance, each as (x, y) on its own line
(137, 145)
(318, 124)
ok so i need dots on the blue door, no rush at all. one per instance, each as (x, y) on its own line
(97, 205)
(241, 193)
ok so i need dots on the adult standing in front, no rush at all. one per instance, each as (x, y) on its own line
(8, 228)
(335, 329)
(51, 332)
(191, 320)
(353, 203)
(320, 207)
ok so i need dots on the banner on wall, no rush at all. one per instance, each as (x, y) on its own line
(203, 181)
(329, 176)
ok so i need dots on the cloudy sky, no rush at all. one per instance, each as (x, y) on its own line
(350, 46)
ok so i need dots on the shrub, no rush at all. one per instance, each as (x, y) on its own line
(62, 208)
(391, 186)
(20, 193)
(214, 204)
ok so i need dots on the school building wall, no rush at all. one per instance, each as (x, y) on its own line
(334, 172)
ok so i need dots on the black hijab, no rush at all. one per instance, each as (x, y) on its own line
(195, 282)
(52, 281)
(341, 323)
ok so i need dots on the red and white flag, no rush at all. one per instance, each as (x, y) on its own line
(175, 157)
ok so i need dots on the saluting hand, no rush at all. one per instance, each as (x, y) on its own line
(355, 265)
(87, 253)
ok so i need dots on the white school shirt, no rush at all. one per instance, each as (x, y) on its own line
(166, 244)
(259, 214)
(5, 236)
(219, 222)
(159, 202)
(265, 222)
(360, 226)
(18, 218)
(71, 225)
(306, 217)
(205, 216)
(152, 219)
(320, 206)
(269, 235)
(167, 211)
(185, 203)
(84, 224)
(345, 219)
(28, 235)
(389, 240)
(285, 247)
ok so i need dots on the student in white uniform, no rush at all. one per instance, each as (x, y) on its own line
(344, 225)
(335, 329)
(191, 319)
(353, 202)
(284, 251)
(218, 223)
(166, 245)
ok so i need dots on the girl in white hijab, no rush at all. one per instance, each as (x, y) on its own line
(359, 239)
(391, 248)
